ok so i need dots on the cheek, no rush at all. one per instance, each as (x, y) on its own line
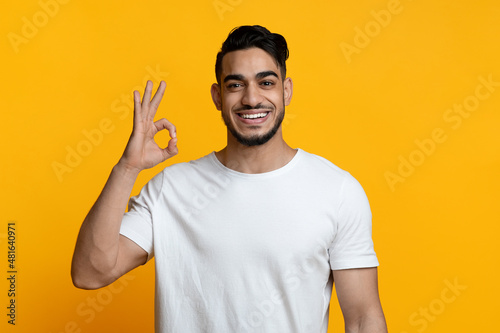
(228, 99)
(277, 99)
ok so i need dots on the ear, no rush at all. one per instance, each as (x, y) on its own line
(216, 96)
(287, 90)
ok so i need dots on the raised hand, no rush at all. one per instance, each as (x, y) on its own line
(142, 152)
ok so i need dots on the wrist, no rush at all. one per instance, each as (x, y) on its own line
(126, 170)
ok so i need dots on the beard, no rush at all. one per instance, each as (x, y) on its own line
(254, 140)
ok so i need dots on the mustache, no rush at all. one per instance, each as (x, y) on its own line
(256, 107)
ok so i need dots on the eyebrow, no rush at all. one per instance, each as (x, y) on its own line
(262, 75)
(237, 77)
(258, 76)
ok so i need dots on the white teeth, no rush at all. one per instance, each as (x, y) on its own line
(254, 116)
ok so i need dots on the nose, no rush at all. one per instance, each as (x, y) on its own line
(251, 96)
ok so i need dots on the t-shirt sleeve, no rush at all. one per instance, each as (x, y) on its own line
(352, 246)
(137, 223)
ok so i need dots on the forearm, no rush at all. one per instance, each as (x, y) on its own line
(96, 250)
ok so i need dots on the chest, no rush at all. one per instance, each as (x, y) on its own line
(249, 223)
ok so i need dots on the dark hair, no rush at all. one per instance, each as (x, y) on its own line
(245, 37)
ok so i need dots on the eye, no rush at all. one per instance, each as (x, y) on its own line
(267, 83)
(234, 85)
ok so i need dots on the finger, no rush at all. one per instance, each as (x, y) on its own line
(155, 102)
(171, 149)
(147, 94)
(137, 106)
(163, 123)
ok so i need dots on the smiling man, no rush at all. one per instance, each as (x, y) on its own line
(247, 239)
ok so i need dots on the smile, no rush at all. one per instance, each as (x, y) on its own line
(253, 115)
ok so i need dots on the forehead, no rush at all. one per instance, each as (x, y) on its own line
(248, 63)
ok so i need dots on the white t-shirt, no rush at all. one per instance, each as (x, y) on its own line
(238, 252)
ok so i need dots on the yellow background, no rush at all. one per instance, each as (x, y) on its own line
(362, 111)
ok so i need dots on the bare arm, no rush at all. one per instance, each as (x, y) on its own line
(357, 291)
(101, 254)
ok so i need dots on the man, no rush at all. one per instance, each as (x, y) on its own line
(246, 239)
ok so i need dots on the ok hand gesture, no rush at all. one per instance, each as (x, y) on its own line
(142, 152)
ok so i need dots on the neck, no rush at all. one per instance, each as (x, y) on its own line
(270, 156)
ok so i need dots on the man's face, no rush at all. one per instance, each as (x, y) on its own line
(252, 96)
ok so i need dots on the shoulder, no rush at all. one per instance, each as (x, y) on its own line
(331, 178)
(319, 166)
